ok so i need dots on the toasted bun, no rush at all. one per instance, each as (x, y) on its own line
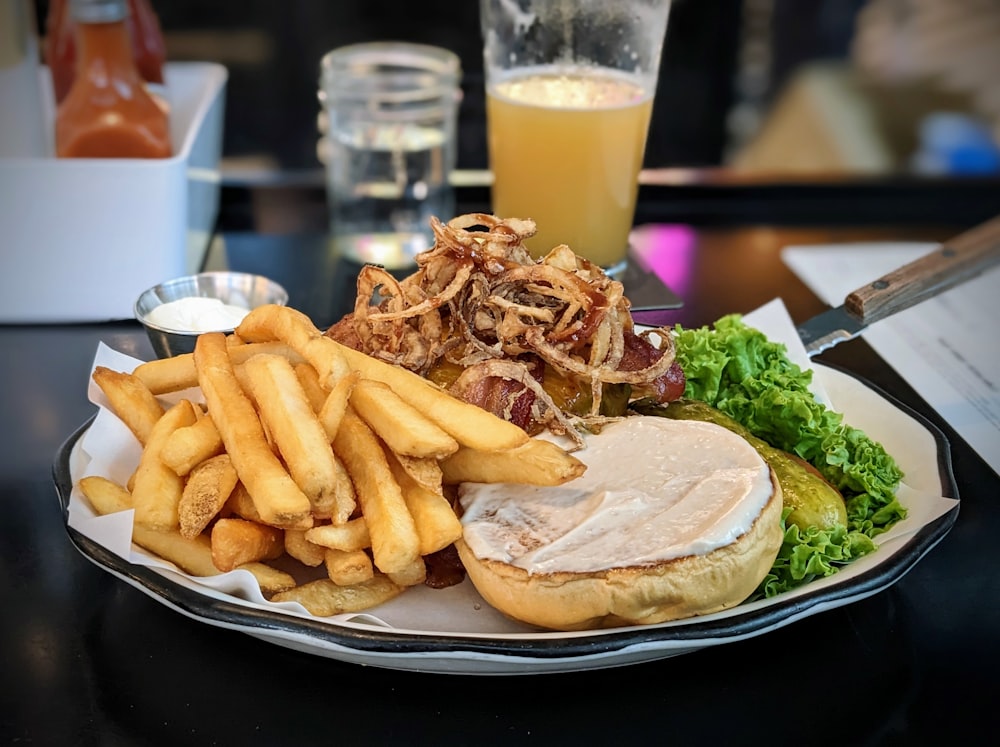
(668, 590)
(671, 519)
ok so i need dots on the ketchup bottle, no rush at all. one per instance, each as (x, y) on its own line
(148, 47)
(108, 113)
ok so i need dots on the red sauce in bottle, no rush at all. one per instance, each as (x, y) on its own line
(108, 113)
(148, 47)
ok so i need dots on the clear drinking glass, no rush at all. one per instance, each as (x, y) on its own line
(391, 113)
(569, 94)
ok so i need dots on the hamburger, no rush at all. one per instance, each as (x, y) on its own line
(550, 345)
(672, 518)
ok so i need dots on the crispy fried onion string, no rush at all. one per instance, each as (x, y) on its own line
(478, 299)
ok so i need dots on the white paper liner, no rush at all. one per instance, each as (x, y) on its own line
(109, 449)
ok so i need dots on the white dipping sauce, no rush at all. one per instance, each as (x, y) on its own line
(197, 314)
(655, 489)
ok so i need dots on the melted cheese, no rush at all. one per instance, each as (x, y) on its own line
(655, 489)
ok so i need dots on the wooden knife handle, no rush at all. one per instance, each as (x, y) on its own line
(957, 260)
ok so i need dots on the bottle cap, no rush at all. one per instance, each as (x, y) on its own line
(99, 11)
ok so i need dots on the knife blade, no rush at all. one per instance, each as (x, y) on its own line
(955, 261)
(655, 316)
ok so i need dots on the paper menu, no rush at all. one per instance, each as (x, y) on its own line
(947, 348)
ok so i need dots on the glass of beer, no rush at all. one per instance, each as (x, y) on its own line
(569, 94)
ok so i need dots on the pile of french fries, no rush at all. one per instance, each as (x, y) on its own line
(306, 460)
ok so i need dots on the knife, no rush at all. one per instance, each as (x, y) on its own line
(955, 261)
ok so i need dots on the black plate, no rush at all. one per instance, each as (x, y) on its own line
(511, 654)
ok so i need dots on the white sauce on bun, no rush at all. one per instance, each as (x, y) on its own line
(655, 489)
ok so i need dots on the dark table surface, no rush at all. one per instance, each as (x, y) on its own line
(88, 659)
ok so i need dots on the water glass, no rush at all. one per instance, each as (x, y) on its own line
(569, 95)
(391, 112)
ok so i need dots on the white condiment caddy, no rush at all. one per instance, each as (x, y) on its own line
(81, 238)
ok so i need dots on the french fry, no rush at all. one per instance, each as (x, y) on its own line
(165, 375)
(324, 598)
(400, 425)
(241, 504)
(270, 579)
(437, 524)
(468, 424)
(130, 399)
(105, 496)
(205, 493)
(238, 541)
(346, 568)
(393, 533)
(304, 551)
(349, 536)
(415, 573)
(157, 491)
(300, 437)
(239, 370)
(276, 496)
(309, 380)
(333, 409)
(191, 445)
(194, 556)
(329, 408)
(537, 462)
(425, 471)
(295, 329)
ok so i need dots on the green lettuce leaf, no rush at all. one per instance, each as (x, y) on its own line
(808, 555)
(735, 368)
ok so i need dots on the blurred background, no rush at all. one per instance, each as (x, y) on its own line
(762, 88)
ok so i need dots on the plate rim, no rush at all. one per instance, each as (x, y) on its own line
(544, 646)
